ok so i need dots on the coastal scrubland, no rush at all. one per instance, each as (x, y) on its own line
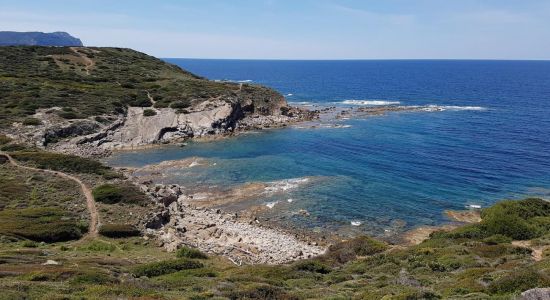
(43, 254)
(47, 251)
(87, 82)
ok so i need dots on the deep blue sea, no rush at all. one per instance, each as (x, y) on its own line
(388, 172)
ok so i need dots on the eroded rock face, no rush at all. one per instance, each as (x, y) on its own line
(536, 294)
(168, 125)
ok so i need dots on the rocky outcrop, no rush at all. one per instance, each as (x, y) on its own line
(536, 294)
(12, 38)
(243, 241)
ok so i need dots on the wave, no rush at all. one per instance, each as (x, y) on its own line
(370, 102)
(356, 223)
(299, 103)
(433, 107)
(284, 185)
(234, 81)
(289, 95)
(271, 204)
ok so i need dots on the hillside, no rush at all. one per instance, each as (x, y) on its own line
(12, 38)
(45, 90)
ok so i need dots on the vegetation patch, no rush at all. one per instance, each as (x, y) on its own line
(121, 193)
(62, 162)
(40, 224)
(186, 252)
(349, 250)
(31, 122)
(166, 267)
(118, 230)
(149, 112)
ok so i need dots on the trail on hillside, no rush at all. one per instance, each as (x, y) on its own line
(90, 202)
(89, 63)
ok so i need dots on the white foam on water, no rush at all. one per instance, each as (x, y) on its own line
(356, 223)
(289, 95)
(270, 205)
(303, 103)
(284, 185)
(194, 164)
(370, 102)
(290, 200)
(244, 81)
(473, 206)
(433, 107)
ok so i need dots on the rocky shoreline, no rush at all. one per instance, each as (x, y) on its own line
(242, 240)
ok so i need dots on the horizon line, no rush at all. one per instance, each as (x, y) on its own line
(364, 59)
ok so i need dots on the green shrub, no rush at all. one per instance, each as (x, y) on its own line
(180, 104)
(149, 112)
(45, 224)
(166, 267)
(118, 230)
(264, 292)
(520, 220)
(13, 147)
(62, 162)
(111, 194)
(69, 115)
(93, 278)
(31, 122)
(500, 222)
(312, 266)
(518, 281)
(99, 246)
(29, 244)
(349, 250)
(186, 252)
(4, 139)
(497, 239)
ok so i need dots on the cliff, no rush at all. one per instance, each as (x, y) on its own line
(74, 98)
(12, 38)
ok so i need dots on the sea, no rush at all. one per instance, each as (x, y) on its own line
(488, 140)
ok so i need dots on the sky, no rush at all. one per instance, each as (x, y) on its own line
(297, 29)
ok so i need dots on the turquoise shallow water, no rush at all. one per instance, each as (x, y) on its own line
(492, 141)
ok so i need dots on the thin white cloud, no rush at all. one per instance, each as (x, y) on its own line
(376, 17)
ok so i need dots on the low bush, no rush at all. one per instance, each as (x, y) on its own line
(180, 104)
(118, 230)
(166, 267)
(111, 194)
(31, 122)
(99, 246)
(13, 147)
(186, 252)
(265, 292)
(349, 250)
(4, 139)
(518, 281)
(149, 113)
(497, 239)
(93, 278)
(69, 115)
(62, 162)
(44, 224)
(519, 220)
(312, 266)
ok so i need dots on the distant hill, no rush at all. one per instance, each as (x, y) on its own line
(12, 38)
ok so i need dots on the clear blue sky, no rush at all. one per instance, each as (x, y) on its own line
(298, 29)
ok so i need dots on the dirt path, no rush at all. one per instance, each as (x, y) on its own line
(90, 202)
(87, 61)
(151, 98)
(538, 251)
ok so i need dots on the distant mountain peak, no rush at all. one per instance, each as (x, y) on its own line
(58, 38)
